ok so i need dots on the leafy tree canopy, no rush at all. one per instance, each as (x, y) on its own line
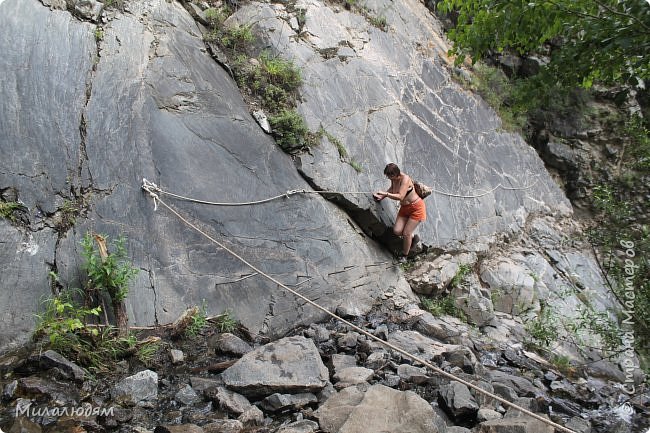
(604, 41)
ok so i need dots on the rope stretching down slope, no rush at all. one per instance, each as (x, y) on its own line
(152, 189)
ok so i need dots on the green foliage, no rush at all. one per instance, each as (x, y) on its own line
(289, 130)
(638, 131)
(604, 200)
(521, 101)
(379, 22)
(99, 34)
(356, 166)
(198, 322)
(597, 323)
(111, 273)
(543, 329)
(7, 209)
(146, 352)
(342, 151)
(67, 215)
(216, 16)
(236, 38)
(604, 41)
(274, 80)
(461, 273)
(271, 81)
(225, 322)
(445, 306)
(281, 72)
(63, 321)
(563, 364)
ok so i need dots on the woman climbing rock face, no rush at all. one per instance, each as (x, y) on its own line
(412, 209)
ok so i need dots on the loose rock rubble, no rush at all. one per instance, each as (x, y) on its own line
(323, 378)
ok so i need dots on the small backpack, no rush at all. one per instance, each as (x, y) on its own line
(421, 189)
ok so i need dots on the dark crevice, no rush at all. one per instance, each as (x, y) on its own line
(364, 218)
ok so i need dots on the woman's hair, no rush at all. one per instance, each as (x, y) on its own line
(392, 170)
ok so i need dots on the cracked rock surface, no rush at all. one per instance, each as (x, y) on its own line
(91, 109)
(85, 119)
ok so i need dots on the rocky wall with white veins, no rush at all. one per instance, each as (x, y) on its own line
(388, 96)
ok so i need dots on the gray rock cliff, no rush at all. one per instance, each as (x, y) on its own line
(85, 116)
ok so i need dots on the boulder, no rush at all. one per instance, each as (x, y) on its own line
(251, 417)
(511, 285)
(418, 345)
(432, 277)
(287, 366)
(183, 428)
(378, 409)
(224, 426)
(228, 400)
(472, 302)
(187, 396)
(522, 386)
(231, 344)
(279, 402)
(352, 376)
(140, 388)
(412, 374)
(51, 359)
(33, 387)
(458, 401)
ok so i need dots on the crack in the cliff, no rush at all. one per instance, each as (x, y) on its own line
(364, 218)
(155, 295)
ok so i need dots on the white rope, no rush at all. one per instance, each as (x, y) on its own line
(427, 364)
(152, 187)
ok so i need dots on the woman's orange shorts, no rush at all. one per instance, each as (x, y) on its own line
(415, 211)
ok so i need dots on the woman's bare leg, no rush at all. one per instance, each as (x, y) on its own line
(407, 235)
(400, 223)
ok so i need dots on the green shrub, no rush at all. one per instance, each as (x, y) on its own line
(64, 320)
(112, 271)
(461, 273)
(225, 322)
(379, 22)
(445, 306)
(236, 38)
(289, 130)
(7, 209)
(216, 16)
(99, 34)
(543, 328)
(197, 323)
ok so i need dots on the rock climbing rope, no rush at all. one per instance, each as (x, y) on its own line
(154, 192)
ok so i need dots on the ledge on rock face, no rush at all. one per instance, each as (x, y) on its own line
(288, 366)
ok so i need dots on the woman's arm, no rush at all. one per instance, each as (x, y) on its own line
(400, 194)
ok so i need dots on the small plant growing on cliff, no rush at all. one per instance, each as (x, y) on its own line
(543, 329)
(7, 209)
(107, 271)
(236, 38)
(216, 16)
(225, 322)
(445, 306)
(99, 34)
(379, 22)
(63, 320)
(198, 321)
(461, 274)
(290, 131)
